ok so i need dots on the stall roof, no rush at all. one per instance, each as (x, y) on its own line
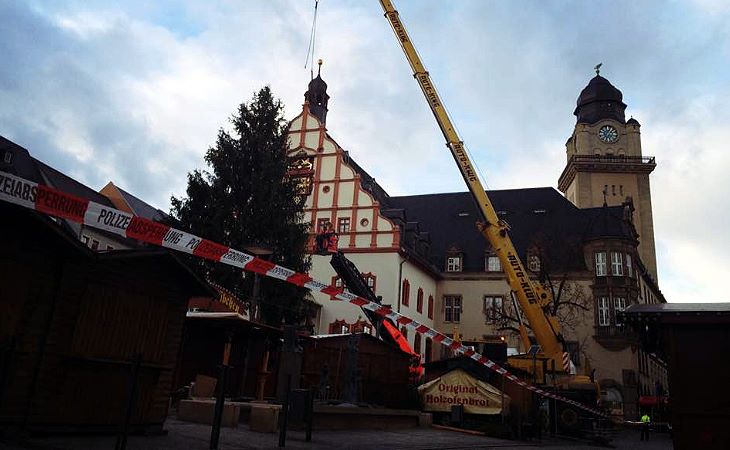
(676, 312)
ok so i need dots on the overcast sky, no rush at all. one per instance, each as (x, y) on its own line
(135, 92)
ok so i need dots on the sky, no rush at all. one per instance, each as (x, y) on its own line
(135, 92)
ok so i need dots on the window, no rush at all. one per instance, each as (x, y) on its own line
(8, 157)
(370, 279)
(343, 225)
(617, 268)
(453, 264)
(428, 350)
(533, 262)
(629, 267)
(493, 307)
(339, 327)
(419, 300)
(417, 343)
(430, 306)
(492, 263)
(604, 318)
(405, 293)
(321, 224)
(94, 244)
(85, 239)
(600, 264)
(452, 308)
(404, 332)
(337, 282)
(619, 304)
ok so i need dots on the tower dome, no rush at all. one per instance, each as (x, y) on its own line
(600, 100)
(317, 97)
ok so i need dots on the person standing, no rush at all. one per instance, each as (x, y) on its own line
(645, 423)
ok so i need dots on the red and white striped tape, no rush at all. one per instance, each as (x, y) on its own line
(53, 202)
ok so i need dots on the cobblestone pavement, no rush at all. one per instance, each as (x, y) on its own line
(190, 436)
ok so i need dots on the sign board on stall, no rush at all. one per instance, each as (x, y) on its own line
(459, 388)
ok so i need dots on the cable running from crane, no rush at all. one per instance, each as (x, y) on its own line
(312, 42)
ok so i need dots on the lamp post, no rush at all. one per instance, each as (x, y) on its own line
(260, 251)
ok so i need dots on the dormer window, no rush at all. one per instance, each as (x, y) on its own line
(533, 262)
(453, 263)
(492, 263)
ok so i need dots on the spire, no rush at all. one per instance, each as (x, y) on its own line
(317, 97)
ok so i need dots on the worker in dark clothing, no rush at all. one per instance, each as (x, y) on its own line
(645, 424)
(332, 240)
(322, 239)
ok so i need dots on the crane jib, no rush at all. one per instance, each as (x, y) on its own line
(464, 162)
(428, 89)
(524, 281)
(397, 26)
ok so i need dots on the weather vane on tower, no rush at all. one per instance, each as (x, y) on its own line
(598, 68)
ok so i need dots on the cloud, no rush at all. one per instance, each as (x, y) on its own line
(136, 92)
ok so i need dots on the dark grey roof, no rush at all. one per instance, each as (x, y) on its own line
(539, 217)
(680, 314)
(63, 182)
(142, 208)
(600, 100)
(608, 222)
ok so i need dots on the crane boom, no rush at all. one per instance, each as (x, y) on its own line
(532, 297)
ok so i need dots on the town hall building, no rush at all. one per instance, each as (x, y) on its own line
(593, 245)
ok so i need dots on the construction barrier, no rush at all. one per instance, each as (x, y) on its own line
(55, 203)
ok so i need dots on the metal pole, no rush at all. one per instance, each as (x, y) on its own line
(221, 398)
(502, 400)
(219, 404)
(121, 443)
(256, 314)
(285, 413)
(310, 414)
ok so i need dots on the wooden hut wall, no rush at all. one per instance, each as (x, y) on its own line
(202, 354)
(382, 369)
(73, 324)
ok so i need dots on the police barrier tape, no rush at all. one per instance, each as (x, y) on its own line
(53, 202)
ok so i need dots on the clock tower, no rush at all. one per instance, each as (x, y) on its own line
(605, 164)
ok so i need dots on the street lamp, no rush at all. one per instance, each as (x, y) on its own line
(260, 251)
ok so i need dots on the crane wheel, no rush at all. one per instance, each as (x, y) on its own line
(569, 418)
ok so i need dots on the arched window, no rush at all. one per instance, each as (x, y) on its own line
(361, 326)
(339, 327)
(417, 343)
(419, 301)
(430, 306)
(405, 293)
(337, 282)
(371, 280)
(428, 350)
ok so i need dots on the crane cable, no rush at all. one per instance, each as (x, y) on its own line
(312, 41)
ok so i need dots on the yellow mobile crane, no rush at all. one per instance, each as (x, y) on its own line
(533, 298)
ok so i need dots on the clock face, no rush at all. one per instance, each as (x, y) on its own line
(608, 134)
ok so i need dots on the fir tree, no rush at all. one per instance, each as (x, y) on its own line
(246, 198)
